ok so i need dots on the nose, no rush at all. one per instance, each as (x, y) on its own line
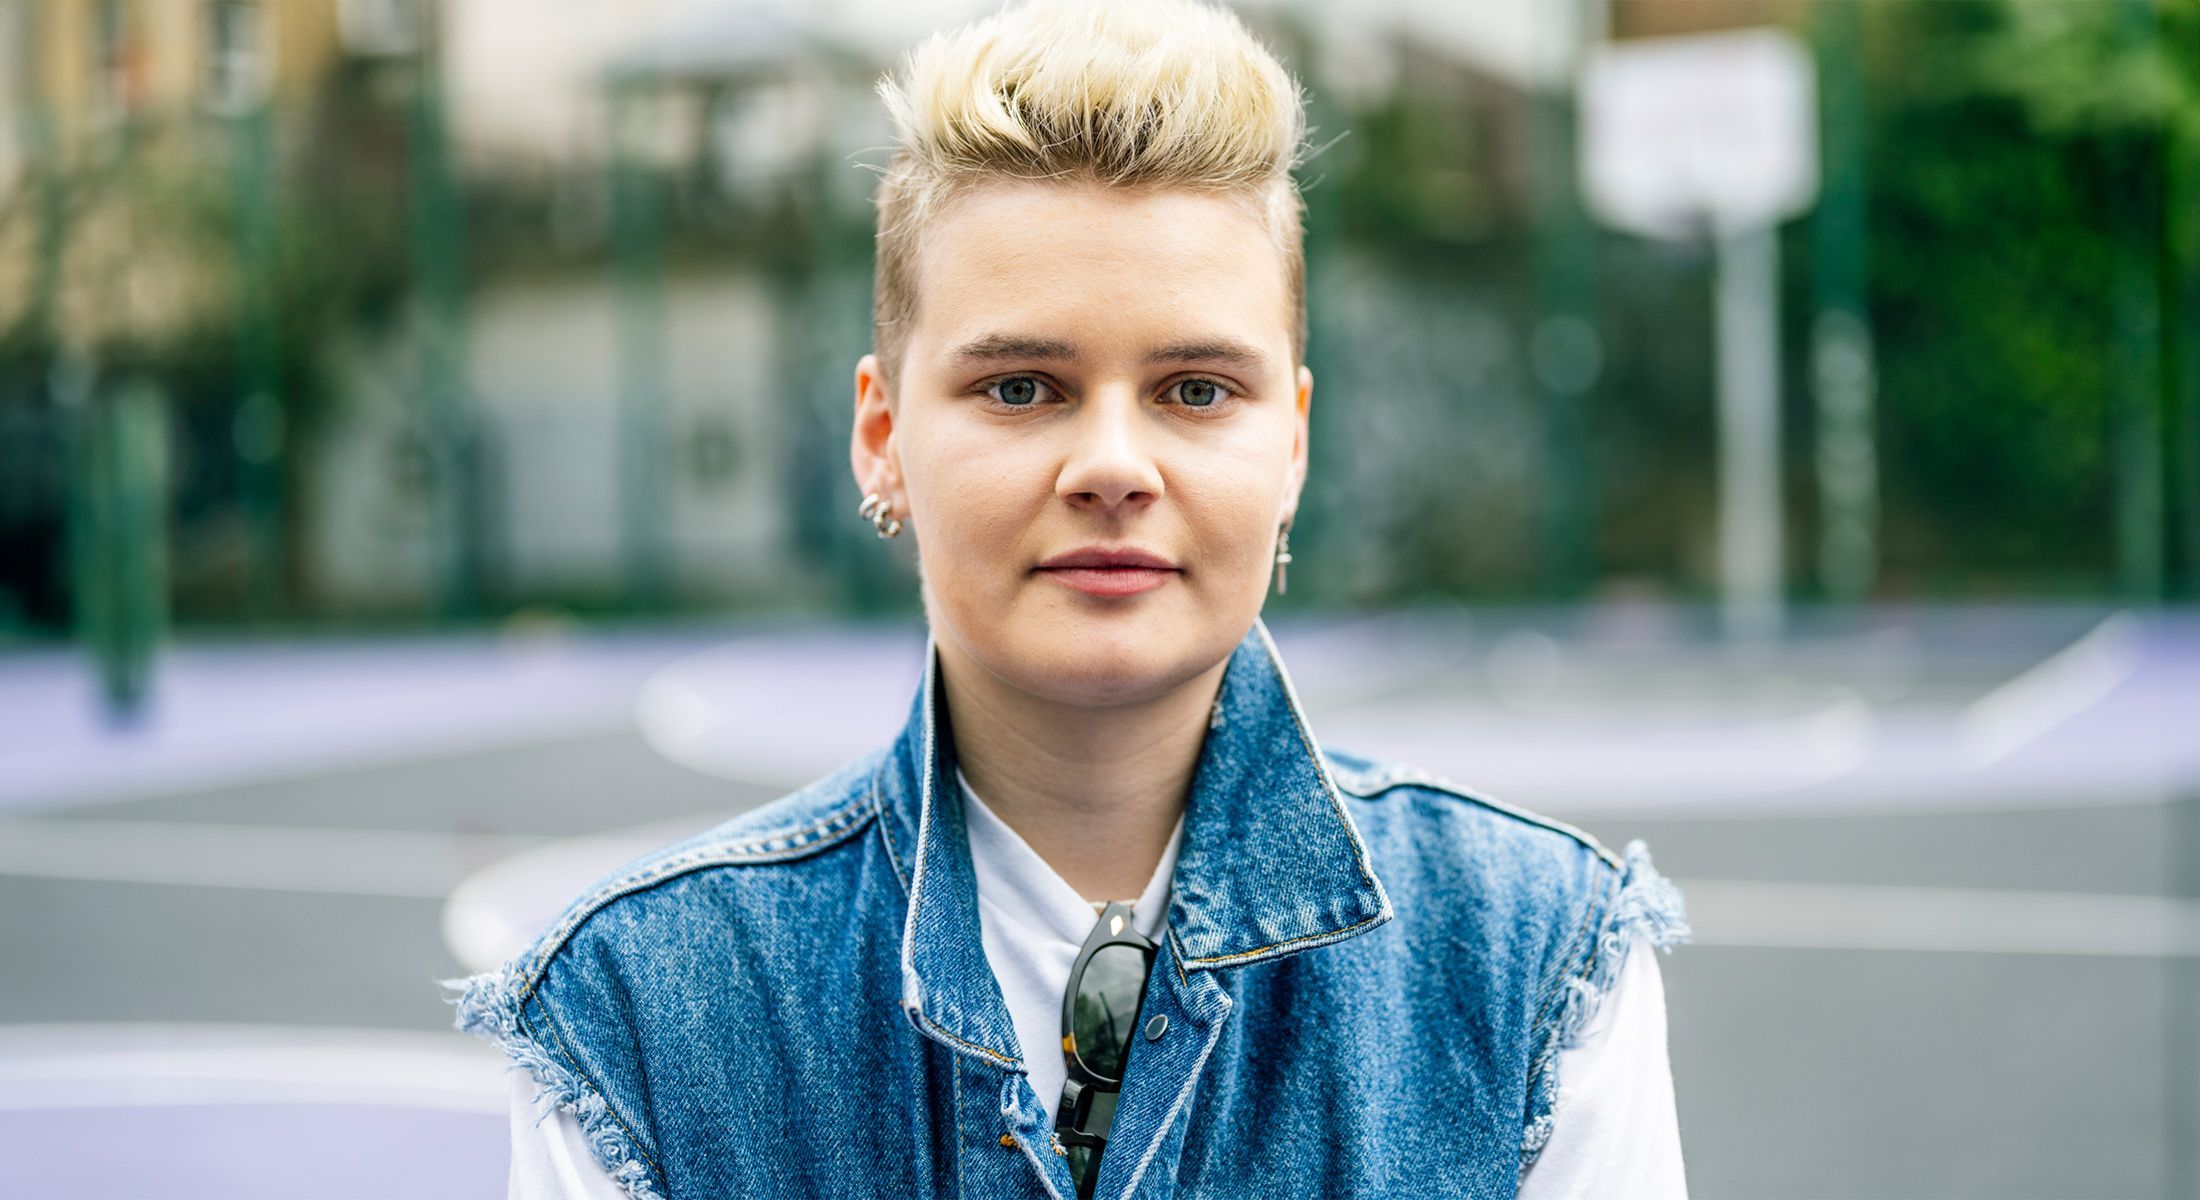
(1110, 463)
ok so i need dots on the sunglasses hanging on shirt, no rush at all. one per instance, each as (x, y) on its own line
(1107, 987)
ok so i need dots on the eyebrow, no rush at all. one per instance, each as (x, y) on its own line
(998, 347)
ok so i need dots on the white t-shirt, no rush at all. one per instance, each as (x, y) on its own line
(1615, 1117)
(1033, 923)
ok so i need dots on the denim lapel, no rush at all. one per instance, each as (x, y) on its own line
(1270, 864)
(947, 987)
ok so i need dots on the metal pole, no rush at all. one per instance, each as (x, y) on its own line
(117, 532)
(1748, 328)
(439, 298)
(1330, 430)
(1843, 366)
(257, 430)
(2181, 1012)
(1565, 349)
(45, 158)
(2181, 188)
(639, 257)
(2137, 361)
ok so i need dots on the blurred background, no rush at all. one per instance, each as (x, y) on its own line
(1768, 428)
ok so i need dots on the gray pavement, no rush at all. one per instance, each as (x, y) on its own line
(1942, 992)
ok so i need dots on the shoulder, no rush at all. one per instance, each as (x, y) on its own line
(1429, 810)
(564, 1008)
(1566, 908)
(657, 891)
(1535, 892)
(1524, 877)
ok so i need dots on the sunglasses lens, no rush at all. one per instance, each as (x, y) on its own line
(1107, 1008)
(1084, 1168)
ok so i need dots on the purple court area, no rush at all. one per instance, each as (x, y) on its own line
(184, 1111)
(1572, 711)
(252, 1152)
(223, 713)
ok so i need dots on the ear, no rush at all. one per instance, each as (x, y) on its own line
(872, 454)
(1301, 426)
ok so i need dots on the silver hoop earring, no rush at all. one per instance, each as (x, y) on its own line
(875, 509)
(1283, 556)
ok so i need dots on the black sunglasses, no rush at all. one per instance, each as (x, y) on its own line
(1107, 986)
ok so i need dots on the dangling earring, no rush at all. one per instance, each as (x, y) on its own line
(875, 509)
(1283, 555)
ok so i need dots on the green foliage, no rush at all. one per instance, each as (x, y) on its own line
(1403, 179)
(2014, 183)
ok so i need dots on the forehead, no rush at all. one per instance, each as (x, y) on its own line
(1108, 268)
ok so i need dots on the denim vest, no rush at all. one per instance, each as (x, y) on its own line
(1367, 973)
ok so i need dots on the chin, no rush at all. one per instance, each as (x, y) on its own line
(1101, 661)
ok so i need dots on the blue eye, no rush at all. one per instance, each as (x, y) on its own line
(1200, 393)
(1017, 391)
(1030, 391)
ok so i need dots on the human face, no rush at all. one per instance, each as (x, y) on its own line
(1092, 366)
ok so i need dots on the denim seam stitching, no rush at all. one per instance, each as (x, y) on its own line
(1574, 960)
(892, 860)
(1328, 935)
(889, 821)
(1031, 1154)
(1388, 778)
(1573, 957)
(820, 835)
(886, 834)
(1643, 905)
(1010, 1063)
(572, 1063)
(926, 800)
(907, 961)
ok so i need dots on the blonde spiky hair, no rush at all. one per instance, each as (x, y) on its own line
(1128, 93)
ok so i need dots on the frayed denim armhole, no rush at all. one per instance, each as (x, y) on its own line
(1644, 902)
(489, 1007)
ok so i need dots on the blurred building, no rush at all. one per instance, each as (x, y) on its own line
(85, 84)
(119, 121)
(463, 306)
(628, 249)
(643, 382)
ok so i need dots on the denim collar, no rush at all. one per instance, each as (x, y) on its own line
(1269, 865)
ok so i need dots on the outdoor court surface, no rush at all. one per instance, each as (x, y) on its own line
(1942, 865)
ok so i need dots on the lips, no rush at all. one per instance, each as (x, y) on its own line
(1104, 558)
(1109, 570)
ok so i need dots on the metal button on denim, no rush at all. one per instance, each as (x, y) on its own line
(1156, 1027)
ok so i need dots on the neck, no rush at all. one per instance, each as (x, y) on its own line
(1095, 791)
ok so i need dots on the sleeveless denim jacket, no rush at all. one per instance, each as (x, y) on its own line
(1367, 974)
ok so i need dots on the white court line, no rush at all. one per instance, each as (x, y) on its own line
(1724, 912)
(499, 909)
(359, 862)
(48, 1066)
(1768, 915)
(2048, 693)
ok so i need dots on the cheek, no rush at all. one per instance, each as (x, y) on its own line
(1233, 507)
(973, 498)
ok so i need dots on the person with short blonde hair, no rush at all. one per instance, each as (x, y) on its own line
(1105, 918)
(1131, 96)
